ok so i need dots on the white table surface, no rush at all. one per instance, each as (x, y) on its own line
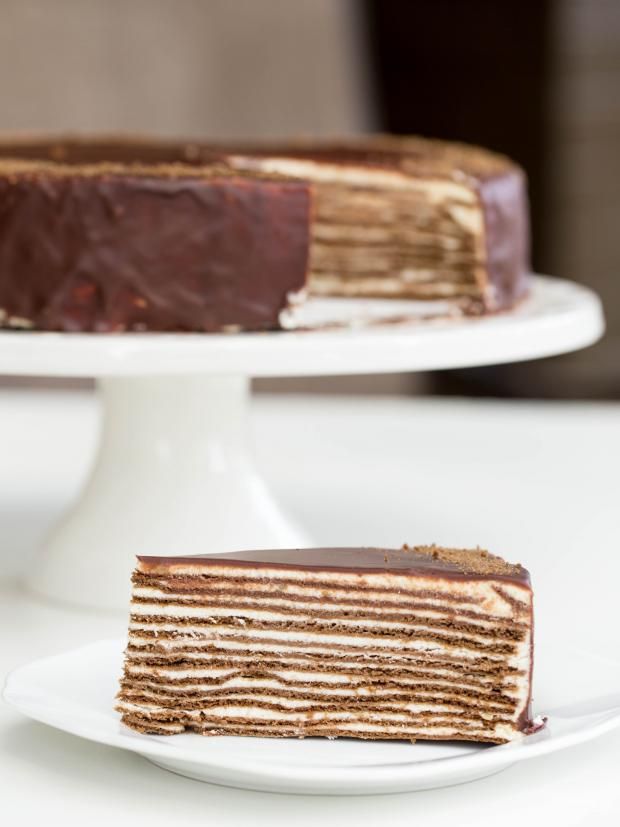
(537, 483)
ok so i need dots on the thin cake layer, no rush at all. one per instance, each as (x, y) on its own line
(109, 247)
(422, 643)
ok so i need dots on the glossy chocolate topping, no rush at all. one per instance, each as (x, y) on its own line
(128, 249)
(425, 561)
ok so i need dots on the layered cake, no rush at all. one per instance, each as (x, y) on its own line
(409, 217)
(124, 234)
(416, 643)
(114, 247)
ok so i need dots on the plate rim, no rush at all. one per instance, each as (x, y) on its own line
(493, 758)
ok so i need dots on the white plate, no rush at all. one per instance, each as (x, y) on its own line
(578, 692)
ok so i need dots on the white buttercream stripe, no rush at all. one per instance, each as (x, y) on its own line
(242, 613)
(335, 600)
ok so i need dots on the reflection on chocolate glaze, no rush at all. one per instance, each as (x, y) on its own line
(114, 251)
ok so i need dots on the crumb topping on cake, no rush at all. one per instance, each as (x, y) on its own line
(469, 561)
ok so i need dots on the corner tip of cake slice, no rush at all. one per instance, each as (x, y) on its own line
(414, 643)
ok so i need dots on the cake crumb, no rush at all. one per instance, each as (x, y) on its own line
(469, 561)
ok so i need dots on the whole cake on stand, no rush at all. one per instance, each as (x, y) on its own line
(127, 235)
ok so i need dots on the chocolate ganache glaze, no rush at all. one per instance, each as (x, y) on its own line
(431, 561)
(127, 236)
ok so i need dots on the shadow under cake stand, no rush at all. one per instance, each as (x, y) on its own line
(174, 474)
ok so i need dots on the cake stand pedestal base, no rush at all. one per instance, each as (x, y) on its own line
(173, 475)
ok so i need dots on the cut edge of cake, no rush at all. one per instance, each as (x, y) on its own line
(481, 193)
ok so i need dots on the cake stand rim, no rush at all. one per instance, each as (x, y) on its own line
(559, 316)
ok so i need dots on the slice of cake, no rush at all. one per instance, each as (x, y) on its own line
(409, 217)
(112, 247)
(417, 643)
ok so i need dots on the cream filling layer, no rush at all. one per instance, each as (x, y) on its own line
(341, 721)
(365, 672)
(240, 614)
(455, 701)
(321, 644)
(418, 608)
(480, 593)
(340, 689)
(299, 640)
(368, 662)
(437, 189)
(230, 712)
(279, 678)
(401, 591)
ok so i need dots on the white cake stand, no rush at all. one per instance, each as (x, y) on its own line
(174, 473)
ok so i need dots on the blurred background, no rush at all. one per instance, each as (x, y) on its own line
(535, 79)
